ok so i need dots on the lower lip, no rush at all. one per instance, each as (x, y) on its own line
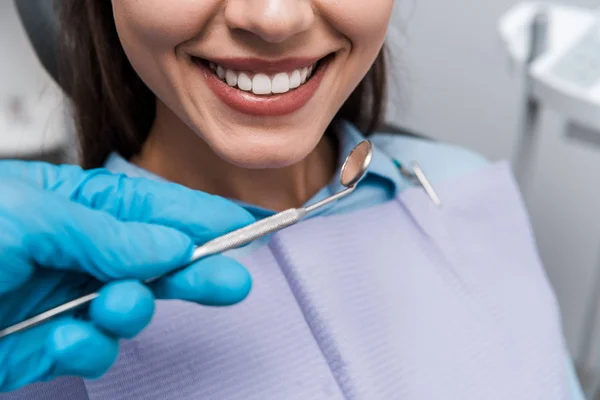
(268, 105)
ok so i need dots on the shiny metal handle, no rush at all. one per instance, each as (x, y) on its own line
(45, 316)
(223, 243)
(249, 233)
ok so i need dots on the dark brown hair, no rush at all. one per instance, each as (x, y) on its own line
(114, 110)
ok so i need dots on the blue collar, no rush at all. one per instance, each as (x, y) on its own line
(382, 174)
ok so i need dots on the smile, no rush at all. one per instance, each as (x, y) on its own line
(264, 88)
(261, 83)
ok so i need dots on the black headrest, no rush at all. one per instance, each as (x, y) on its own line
(41, 23)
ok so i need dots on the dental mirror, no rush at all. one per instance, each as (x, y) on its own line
(354, 168)
(356, 164)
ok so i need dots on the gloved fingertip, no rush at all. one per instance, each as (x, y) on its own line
(80, 349)
(212, 215)
(215, 281)
(158, 250)
(123, 309)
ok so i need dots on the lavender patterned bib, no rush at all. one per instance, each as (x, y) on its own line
(397, 301)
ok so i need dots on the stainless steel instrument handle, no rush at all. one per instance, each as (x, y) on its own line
(223, 243)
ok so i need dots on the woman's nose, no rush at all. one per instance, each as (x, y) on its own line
(274, 21)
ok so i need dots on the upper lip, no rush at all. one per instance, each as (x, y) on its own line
(251, 64)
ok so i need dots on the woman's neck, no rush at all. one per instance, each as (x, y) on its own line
(176, 153)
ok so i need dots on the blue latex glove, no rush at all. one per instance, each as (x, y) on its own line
(61, 226)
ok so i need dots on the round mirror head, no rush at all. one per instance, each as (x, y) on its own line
(356, 164)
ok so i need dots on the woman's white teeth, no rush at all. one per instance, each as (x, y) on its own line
(295, 79)
(280, 83)
(231, 78)
(303, 73)
(263, 84)
(221, 72)
(244, 82)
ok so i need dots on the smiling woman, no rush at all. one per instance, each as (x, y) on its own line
(172, 53)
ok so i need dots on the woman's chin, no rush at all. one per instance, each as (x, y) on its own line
(263, 150)
(264, 157)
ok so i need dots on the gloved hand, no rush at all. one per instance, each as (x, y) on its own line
(65, 232)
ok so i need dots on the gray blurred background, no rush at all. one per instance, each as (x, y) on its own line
(457, 87)
(450, 82)
(32, 112)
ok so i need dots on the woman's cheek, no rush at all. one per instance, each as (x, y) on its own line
(160, 23)
(363, 22)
